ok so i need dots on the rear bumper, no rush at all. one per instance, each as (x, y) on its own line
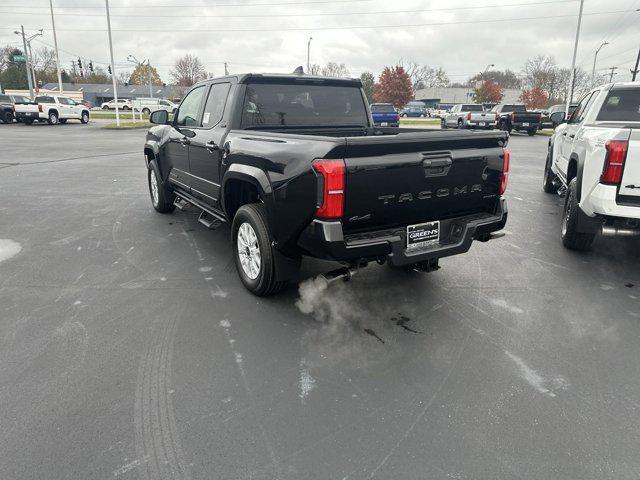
(325, 239)
(528, 126)
(602, 200)
(23, 115)
(479, 124)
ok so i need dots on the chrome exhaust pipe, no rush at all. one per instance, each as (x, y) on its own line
(611, 231)
(344, 274)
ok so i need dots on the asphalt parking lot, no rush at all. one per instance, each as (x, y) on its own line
(129, 348)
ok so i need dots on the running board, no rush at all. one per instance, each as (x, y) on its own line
(209, 221)
(181, 204)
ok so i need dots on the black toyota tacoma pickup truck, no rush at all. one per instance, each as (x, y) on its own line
(296, 166)
(516, 117)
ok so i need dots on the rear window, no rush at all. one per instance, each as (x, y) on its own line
(514, 108)
(302, 105)
(621, 105)
(45, 100)
(382, 109)
(472, 108)
(4, 98)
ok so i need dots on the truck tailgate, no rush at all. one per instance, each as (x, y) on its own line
(630, 185)
(409, 178)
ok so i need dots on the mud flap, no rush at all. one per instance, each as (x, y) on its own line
(587, 224)
(287, 268)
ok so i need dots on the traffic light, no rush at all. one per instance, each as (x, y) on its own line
(91, 66)
(80, 64)
(109, 69)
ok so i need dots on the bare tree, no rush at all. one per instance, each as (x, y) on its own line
(424, 76)
(122, 77)
(188, 70)
(333, 69)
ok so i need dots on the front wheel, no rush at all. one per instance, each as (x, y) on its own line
(105, 107)
(460, 124)
(549, 176)
(162, 197)
(253, 251)
(571, 237)
(146, 111)
(84, 118)
(7, 117)
(443, 124)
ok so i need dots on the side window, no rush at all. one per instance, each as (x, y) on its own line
(216, 101)
(578, 113)
(63, 101)
(4, 98)
(190, 108)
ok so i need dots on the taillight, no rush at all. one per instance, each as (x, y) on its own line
(505, 170)
(330, 188)
(397, 117)
(40, 107)
(614, 162)
(468, 116)
(513, 117)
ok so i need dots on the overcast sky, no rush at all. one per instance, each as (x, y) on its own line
(461, 36)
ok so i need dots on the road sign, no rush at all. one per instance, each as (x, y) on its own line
(18, 58)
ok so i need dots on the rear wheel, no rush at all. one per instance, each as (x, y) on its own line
(571, 237)
(52, 119)
(549, 176)
(105, 107)
(253, 250)
(162, 196)
(460, 125)
(531, 132)
(443, 124)
(146, 111)
(63, 120)
(28, 121)
(7, 117)
(503, 126)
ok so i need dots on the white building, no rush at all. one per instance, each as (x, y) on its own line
(454, 95)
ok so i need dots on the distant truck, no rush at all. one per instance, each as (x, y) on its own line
(593, 161)
(468, 115)
(385, 115)
(7, 106)
(53, 109)
(515, 117)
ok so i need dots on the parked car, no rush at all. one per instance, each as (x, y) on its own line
(123, 104)
(52, 108)
(468, 115)
(296, 166)
(546, 119)
(385, 115)
(7, 106)
(593, 160)
(414, 109)
(86, 103)
(515, 117)
(149, 105)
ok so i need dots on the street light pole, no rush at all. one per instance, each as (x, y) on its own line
(593, 70)
(573, 61)
(149, 73)
(27, 60)
(309, 55)
(55, 44)
(113, 66)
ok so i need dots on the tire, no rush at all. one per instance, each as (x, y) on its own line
(125, 107)
(531, 132)
(28, 121)
(460, 124)
(503, 126)
(443, 124)
(571, 237)
(404, 115)
(63, 121)
(7, 117)
(549, 176)
(52, 118)
(162, 196)
(250, 232)
(146, 111)
(105, 107)
(84, 118)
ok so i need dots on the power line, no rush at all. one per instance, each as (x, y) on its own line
(341, 14)
(349, 27)
(200, 5)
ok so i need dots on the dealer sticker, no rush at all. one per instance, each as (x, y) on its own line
(423, 234)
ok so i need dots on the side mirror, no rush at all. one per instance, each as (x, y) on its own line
(159, 117)
(557, 118)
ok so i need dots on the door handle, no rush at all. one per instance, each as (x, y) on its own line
(211, 146)
(572, 135)
(185, 141)
(564, 134)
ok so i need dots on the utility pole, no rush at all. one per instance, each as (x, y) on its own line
(573, 61)
(593, 70)
(226, 70)
(613, 72)
(55, 43)
(149, 75)
(635, 71)
(113, 66)
(27, 62)
(309, 56)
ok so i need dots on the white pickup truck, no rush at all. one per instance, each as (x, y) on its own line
(51, 108)
(468, 116)
(594, 161)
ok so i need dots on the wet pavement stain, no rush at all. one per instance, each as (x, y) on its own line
(402, 322)
(373, 334)
(629, 285)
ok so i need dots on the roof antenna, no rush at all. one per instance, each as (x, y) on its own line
(299, 70)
